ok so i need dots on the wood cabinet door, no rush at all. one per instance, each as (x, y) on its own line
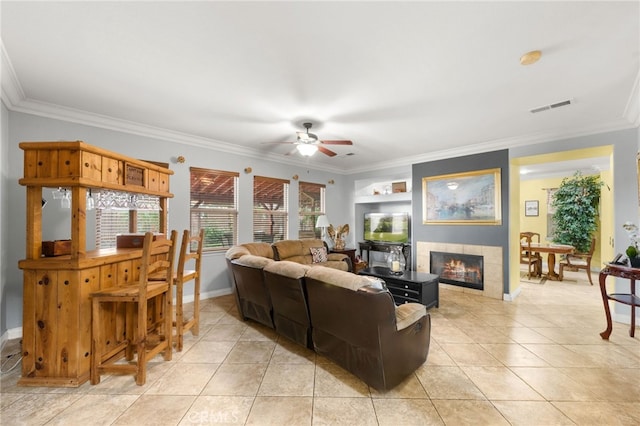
(89, 282)
(46, 320)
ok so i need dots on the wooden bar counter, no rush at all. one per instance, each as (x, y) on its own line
(56, 329)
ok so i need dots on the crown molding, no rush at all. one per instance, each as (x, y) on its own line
(12, 92)
(506, 143)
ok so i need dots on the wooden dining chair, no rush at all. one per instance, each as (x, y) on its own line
(146, 335)
(577, 261)
(183, 276)
(528, 255)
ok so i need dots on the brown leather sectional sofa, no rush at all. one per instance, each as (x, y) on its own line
(350, 319)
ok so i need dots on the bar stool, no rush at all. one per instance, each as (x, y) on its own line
(183, 276)
(147, 335)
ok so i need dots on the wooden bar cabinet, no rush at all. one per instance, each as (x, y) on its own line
(56, 330)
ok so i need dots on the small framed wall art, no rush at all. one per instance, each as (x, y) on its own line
(531, 208)
(399, 187)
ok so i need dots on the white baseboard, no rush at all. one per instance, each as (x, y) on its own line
(207, 295)
(624, 319)
(510, 297)
(12, 333)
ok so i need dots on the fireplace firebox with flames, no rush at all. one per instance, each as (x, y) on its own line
(465, 270)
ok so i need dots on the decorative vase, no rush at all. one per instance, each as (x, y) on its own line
(635, 262)
(395, 261)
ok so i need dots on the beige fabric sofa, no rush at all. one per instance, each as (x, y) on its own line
(299, 251)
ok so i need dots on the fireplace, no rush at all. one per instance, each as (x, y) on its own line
(465, 270)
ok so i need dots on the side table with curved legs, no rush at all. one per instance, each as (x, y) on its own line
(632, 274)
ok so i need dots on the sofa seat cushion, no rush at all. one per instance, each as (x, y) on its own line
(338, 278)
(408, 314)
(287, 269)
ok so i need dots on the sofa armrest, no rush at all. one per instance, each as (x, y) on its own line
(408, 314)
(341, 257)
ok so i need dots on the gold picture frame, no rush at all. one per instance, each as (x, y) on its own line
(470, 198)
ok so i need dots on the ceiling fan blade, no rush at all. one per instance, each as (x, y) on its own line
(293, 151)
(326, 151)
(277, 143)
(343, 142)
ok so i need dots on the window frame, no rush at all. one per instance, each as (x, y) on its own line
(264, 185)
(214, 212)
(313, 213)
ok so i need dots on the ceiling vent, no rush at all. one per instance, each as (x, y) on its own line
(551, 106)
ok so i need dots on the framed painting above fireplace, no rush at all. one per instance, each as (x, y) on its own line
(471, 198)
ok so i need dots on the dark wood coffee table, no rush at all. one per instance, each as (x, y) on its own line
(409, 286)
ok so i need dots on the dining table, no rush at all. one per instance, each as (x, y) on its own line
(551, 250)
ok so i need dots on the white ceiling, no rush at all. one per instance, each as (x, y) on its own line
(405, 81)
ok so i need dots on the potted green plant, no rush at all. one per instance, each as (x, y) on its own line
(576, 211)
(634, 238)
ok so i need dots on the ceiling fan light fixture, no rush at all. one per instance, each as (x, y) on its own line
(306, 149)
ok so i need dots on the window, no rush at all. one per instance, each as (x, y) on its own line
(113, 221)
(214, 207)
(270, 215)
(310, 206)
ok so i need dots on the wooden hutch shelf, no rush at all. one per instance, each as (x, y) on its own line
(56, 331)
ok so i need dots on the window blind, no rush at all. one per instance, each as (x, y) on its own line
(111, 222)
(214, 207)
(311, 199)
(270, 209)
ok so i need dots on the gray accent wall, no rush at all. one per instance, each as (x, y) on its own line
(488, 235)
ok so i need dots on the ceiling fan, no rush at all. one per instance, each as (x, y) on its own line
(308, 143)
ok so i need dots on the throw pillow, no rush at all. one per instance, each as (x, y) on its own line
(318, 254)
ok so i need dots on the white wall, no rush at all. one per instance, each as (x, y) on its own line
(4, 169)
(26, 127)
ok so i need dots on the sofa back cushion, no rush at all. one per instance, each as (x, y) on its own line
(296, 250)
(259, 249)
(338, 278)
(287, 269)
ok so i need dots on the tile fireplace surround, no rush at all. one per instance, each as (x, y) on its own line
(493, 277)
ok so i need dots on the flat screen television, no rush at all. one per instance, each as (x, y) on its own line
(386, 227)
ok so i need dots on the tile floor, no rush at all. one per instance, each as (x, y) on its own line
(536, 361)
